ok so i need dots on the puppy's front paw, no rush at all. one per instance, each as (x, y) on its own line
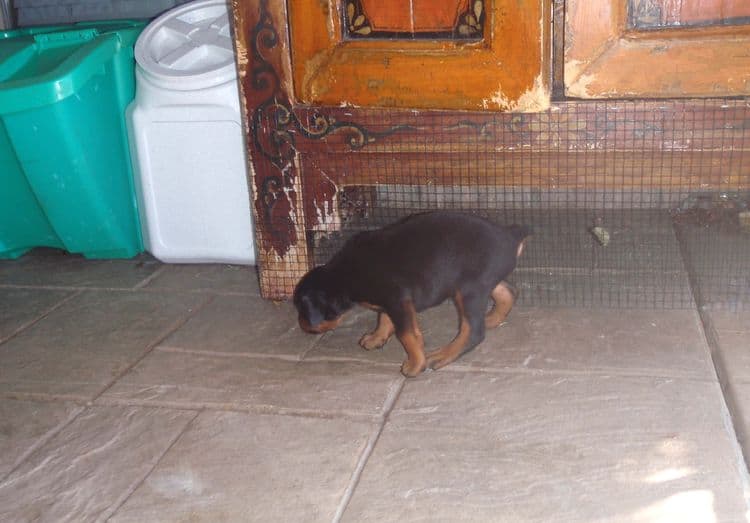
(411, 368)
(372, 341)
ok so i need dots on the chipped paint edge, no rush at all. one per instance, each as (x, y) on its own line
(536, 99)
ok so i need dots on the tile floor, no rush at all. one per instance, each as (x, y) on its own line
(135, 391)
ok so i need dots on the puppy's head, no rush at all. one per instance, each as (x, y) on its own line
(320, 301)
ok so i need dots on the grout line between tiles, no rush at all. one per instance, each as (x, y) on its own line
(131, 289)
(44, 440)
(44, 397)
(312, 346)
(151, 277)
(560, 270)
(47, 397)
(291, 358)
(246, 409)
(353, 359)
(455, 368)
(151, 346)
(388, 405)
(136, 484)
(279, 357)
(583, 372)
(39, 318)
(224, 354)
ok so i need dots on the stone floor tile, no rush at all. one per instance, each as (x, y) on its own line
(20, 307)
(89, 468)
(243, 324)
(720, 257)
(25, 424)
(249, 467)
(176, 378)
(655, 343)
(734, 355)
(738, 396)
(82, 346)
(594, 288)
(539, 447)
(727, 321)
(55, 268)
(209, 277)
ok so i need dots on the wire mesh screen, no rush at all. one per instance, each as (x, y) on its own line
(629, 201)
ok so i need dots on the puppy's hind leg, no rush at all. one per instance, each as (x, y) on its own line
(471, 330)
(504, 296)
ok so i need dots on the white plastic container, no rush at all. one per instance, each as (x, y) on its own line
(186, 139)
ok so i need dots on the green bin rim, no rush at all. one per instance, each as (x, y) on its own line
(103, 26)
(72, 74)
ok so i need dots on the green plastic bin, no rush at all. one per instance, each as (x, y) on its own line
(65, 173)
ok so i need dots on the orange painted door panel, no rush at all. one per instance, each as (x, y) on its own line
(657, 48)
(414, 16)
(437, 54)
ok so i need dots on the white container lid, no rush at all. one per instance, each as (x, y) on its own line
(189, 47)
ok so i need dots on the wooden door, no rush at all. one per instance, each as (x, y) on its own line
(657, 48)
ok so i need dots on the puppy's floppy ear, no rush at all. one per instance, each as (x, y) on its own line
(314, 279)
(320, 295)
(334, 298)
(340, 301)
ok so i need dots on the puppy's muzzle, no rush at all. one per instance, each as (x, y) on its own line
(321, 327)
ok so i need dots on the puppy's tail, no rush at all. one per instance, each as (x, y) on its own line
(519, 232)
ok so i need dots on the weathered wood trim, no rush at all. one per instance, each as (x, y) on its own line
(265, 85)
(582, 126)
(610, 170)
(644, 146)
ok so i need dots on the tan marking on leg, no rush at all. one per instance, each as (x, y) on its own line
(411, 339)
(443, 356)
(380, 335)
(504, 297)
(370, 306)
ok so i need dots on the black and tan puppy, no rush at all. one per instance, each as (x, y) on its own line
(413, 265)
